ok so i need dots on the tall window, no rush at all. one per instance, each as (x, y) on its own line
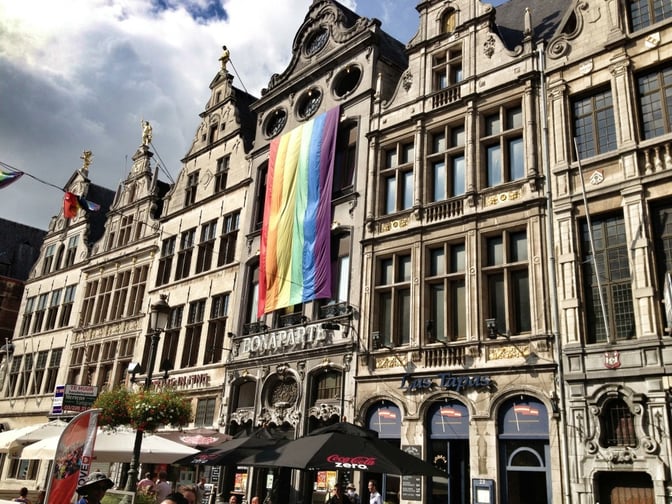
(48, 259)
(205, 412)
(260, 196)
(612, 263)
(216, 329)
(503, 144)
(125, 230)
(52, 370)
(172, 335)
(618, 424)
(103, 299)
(68, 302)
(346, 158)
(120, 294)
(38, 318)
(644, 13)
(397, 178)
(38, 374)
(252, 293)
(166, 261)
(222, 173)
(327, 386)
(393, 299)
(655, 102)
(448, 21)
(206, 246)
(594, 125)
(448, 176)
(447, 68)
(340, 267)
(14, 385)
(137, 291)
(28, 316)
(507, 280)
(227, 243)
(89, 300)
(192, 339)
(71, 252)
(54, 303)
(446, 293)
(190, 191)
(184, 255)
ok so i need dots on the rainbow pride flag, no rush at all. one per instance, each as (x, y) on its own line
(295, 262)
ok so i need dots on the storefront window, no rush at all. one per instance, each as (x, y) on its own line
(448, 449)
(385, 419)
(524, 451)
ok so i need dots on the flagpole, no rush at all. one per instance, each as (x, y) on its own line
(592, 243)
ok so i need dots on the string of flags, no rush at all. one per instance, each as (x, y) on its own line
(71, 202)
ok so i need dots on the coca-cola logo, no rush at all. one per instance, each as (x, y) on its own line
(359, 462)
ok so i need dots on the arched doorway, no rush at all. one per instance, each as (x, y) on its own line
(385, 418)
(448, 449)
(524, 455)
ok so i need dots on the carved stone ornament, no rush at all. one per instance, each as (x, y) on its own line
(324, 411)
(407, 80)
(489, 46)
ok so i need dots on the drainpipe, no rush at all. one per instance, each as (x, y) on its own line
(550, 245)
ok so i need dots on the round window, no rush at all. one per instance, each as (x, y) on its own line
(347, 80)
(316, 41)
(309, 103)
(276, 122)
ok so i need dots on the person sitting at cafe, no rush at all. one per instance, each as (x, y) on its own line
(94, 487)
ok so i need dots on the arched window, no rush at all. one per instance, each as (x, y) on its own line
(618, 424)
(448, 21)
(524, 450)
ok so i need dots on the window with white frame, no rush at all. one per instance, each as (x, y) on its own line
(397, 177)
(192, 338)
(506, 278)
(393, 300)
(446, 292)
(447, 162)
(503, 145)
(655, 102)
(185, 253)
(206, 246)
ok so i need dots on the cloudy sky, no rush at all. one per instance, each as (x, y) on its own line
(80, 75)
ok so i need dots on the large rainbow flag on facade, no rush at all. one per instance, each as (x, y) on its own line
(295, 263)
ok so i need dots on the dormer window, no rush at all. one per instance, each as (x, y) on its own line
(448, 21)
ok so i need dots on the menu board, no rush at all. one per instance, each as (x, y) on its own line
(411, 485)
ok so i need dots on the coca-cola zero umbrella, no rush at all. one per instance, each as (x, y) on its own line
(342, 446)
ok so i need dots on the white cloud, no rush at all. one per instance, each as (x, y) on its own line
(81, 74)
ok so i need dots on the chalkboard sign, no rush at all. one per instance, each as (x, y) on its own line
(411, 486)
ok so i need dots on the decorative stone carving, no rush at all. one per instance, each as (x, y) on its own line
(489, 46)
(407, 80)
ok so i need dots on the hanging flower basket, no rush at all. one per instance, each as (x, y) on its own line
(145, 410)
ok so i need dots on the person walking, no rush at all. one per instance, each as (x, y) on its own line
(351, 492)
(146, 485)
(374, 496)
(162, 487)
(94, 487)
(337, 495)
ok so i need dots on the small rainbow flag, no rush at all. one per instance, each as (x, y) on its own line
(295, 237)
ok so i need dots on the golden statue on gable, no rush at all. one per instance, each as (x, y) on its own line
(146, 132)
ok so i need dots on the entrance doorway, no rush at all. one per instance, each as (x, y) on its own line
(624, 488)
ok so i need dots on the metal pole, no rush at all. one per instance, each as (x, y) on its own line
(132, 479)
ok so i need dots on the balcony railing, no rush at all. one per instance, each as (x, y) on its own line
(446, 96)
(445, 210)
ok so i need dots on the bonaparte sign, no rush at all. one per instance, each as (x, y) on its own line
(295, 338)
(446, 381)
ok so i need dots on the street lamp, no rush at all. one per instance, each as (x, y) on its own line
(158, 319)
